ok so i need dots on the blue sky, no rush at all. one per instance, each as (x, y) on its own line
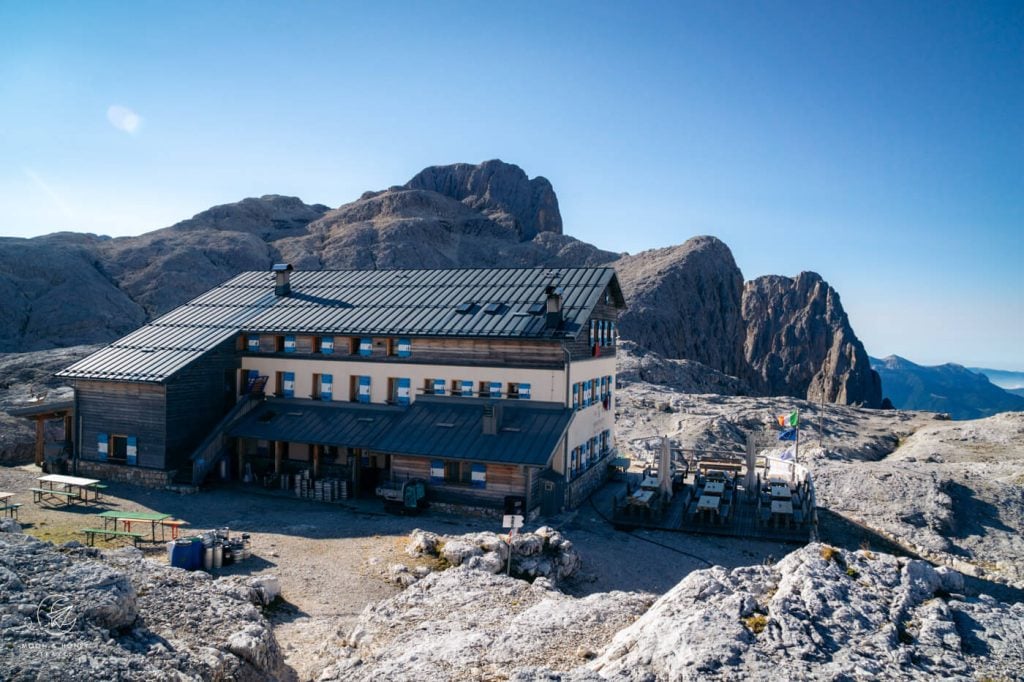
(880, 144)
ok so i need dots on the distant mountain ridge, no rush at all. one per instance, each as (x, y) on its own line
(687, 301)
(950, 388)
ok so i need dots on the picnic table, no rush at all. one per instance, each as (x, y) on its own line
(708, 503)
(782, 507)
(649, 483)
(127, 518)
(781, 491)
(71, 487)
(641, 498)
(714, 487)
(8, 508)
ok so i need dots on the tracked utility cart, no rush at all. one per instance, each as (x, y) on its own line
(407, 496)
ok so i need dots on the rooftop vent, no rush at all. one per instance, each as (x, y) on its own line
(282, 278)
(464, 308)
(492, 418)
(553, 305)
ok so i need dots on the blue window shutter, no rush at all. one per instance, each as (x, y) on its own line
(327, 345)
(289, 344)
(250, 379)
(467, 388)
(366, 347)
(495, 389)
(479, 475)
(403, 391)
(575, 397)
(438, 386)
(254, 343)
(326, 387)
(101, 446)
(133, 450)
(364, 389)
(288, 384)
(524, 391)
(437, 471)
(404, 348)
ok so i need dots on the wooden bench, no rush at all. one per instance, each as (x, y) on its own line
(174, 525)
(96, 488)
(11, 509)
(37, 495)
(91, 533)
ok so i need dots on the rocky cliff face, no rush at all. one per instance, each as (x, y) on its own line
(500, 191)
(684, 302)
(799, 342)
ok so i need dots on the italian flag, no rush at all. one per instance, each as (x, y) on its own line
(792, 419)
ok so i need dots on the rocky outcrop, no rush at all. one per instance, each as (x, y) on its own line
(799, 342)
(819, 613)
(81, 614)
(501, 191)
(467, 624)
(684, 302)
(544, 553)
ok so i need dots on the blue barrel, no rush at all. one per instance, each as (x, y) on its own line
(180, 553)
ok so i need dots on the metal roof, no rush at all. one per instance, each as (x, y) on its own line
(318, 423)
(433, 426)
(356, 303)
(452, 428)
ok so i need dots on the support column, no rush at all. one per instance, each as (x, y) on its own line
(69, 425)
(40, 440)
(278, 455)
(317, 451)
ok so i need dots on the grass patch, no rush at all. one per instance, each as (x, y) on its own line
(852, 572)
(756, 623)
(829, 553)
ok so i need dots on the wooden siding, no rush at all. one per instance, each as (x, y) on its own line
(530, 353)
(120, 407)
(197, 398)
(502, 480)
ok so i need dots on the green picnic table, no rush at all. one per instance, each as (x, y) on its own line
(127, 518)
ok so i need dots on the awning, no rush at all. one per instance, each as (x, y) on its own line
(318, 423)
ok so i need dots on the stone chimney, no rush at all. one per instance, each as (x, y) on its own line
(282, 278)
(492, 418)
(554, 306)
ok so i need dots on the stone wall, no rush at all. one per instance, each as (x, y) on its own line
(149, 478)
(579, 490)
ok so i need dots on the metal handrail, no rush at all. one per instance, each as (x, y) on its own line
(211, 449)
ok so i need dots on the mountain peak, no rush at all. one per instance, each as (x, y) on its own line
(501, 191)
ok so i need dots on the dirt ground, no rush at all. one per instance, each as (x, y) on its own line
(332, 560)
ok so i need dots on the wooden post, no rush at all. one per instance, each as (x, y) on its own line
(69, 428)
(278, 455)
(40, 440)
(240, 449)
(317, 450)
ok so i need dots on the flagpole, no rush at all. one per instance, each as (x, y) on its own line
(796, 447)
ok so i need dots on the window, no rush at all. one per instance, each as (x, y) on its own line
(278, 344)
(513, 391)
(428, 386)
(456, 387)
(353, 345)
(401, 348)
(118, 448)
(484, 388)
(398, 390)
(285, 384)
(495, 389)
(323, 387)
(465, 473)
(253, 343)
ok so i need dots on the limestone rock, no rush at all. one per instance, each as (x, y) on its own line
(684, 302)
(799, 342)
(500, 191)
